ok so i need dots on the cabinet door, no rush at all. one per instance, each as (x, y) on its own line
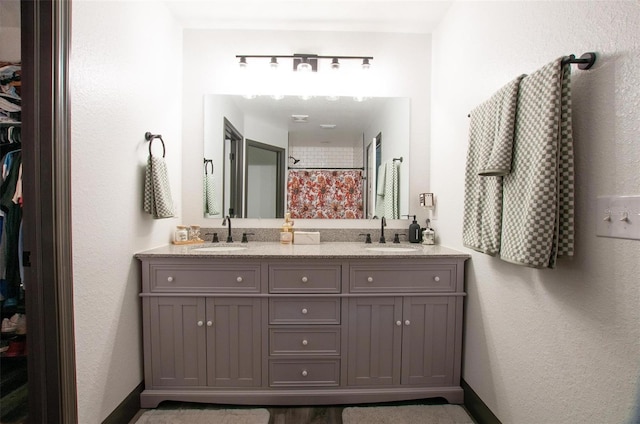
(428, 340)
(178, 348)
(375, 330)
(234, 340)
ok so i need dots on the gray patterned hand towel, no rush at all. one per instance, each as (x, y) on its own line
(538, 194)
(496, 147)
(491, 133)
(157, 193)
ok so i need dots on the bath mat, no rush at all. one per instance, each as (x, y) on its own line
(204, 416)
(410, 414)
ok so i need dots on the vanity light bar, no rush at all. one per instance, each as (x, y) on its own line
(304, 62)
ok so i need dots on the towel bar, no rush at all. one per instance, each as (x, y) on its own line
(150, 137)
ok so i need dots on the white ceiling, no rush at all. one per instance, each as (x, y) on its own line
(419, 16)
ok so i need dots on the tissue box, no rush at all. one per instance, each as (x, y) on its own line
(306, 237)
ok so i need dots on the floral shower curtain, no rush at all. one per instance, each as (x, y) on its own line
(325, 194)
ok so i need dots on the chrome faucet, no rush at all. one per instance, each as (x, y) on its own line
(383, 223)
(227, 220)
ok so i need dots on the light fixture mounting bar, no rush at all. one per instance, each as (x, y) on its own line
(304, 58)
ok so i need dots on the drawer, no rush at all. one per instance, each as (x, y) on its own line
(205, 278)
(304, 341)
(400, 278)
(304, 310)
(292, 373)
(304, 278)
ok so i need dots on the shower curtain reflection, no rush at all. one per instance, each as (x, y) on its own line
(325, 193)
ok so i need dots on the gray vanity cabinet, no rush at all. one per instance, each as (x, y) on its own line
(395, 340)
(197, 341)
(264, 330)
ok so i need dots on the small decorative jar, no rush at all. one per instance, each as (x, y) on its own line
(181, 234)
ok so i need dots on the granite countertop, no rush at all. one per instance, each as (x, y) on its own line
(256, 250)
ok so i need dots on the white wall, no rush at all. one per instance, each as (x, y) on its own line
(125, 67)
(547, 346)
(401, 68)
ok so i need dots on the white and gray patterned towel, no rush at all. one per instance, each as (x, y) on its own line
(210, 198)
(496, 147)
(538, 194)
(491, 133)
(387, 191)
(157, 192)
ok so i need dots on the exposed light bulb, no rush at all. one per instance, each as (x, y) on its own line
(304, 66)
(274, 63)
(365, 64)
(243, 62)
(335, 65)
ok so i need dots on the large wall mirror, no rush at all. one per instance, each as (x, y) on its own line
(319, 157)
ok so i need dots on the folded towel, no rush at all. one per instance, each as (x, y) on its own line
(496, 148)
(157, 192)
(210, 199)
(538, 215)
(482, 214)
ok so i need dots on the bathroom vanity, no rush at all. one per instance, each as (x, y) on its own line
(275, 324)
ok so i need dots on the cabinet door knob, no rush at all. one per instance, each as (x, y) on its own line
(407, 322)
(436, 278)
(305, 279)
(398, 323)
(239, 279)
(305, 373)
(200, 323)
(209, 323)
(170, 279)
(305, 342)
(304, 311)
(370, 279)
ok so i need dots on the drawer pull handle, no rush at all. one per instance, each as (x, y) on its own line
(239, 279)
(436, 278)
(170, 279)
(370, 279)
(305, 342)
(209, 323)
(407, 322)
(305, 279)
(305, 373)
(200, 323)
(398, 323)
(305, 311)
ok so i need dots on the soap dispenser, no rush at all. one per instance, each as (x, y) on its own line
(414, 231)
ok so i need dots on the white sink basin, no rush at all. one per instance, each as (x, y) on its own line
(220, 249)
(391, 249)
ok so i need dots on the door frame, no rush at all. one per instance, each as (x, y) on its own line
(280, 160)
(46, 152)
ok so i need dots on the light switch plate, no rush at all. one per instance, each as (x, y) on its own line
(618, 217)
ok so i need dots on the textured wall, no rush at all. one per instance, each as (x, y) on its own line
(123, 77)
(547, 346)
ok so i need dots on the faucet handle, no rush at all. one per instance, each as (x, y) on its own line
(368, 239)
(396, 237)
(214, 239)
(244, 237)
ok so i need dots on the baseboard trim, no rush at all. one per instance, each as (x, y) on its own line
(476, 407)
(127, 409)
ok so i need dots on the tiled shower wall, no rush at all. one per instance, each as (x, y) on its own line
(326, 157)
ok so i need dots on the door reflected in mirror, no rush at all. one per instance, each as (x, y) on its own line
(321, 157)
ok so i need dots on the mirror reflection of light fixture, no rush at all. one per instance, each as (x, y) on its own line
(294, 159)
(306, 62)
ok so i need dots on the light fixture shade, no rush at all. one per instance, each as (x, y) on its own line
(243, 62)
(274, 63)
(335, 65)
(304, 65)
(365, 64)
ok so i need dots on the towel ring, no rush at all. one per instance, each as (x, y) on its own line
(207, 162)
(150, 137)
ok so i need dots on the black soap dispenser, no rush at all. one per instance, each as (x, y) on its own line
(414, 231)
